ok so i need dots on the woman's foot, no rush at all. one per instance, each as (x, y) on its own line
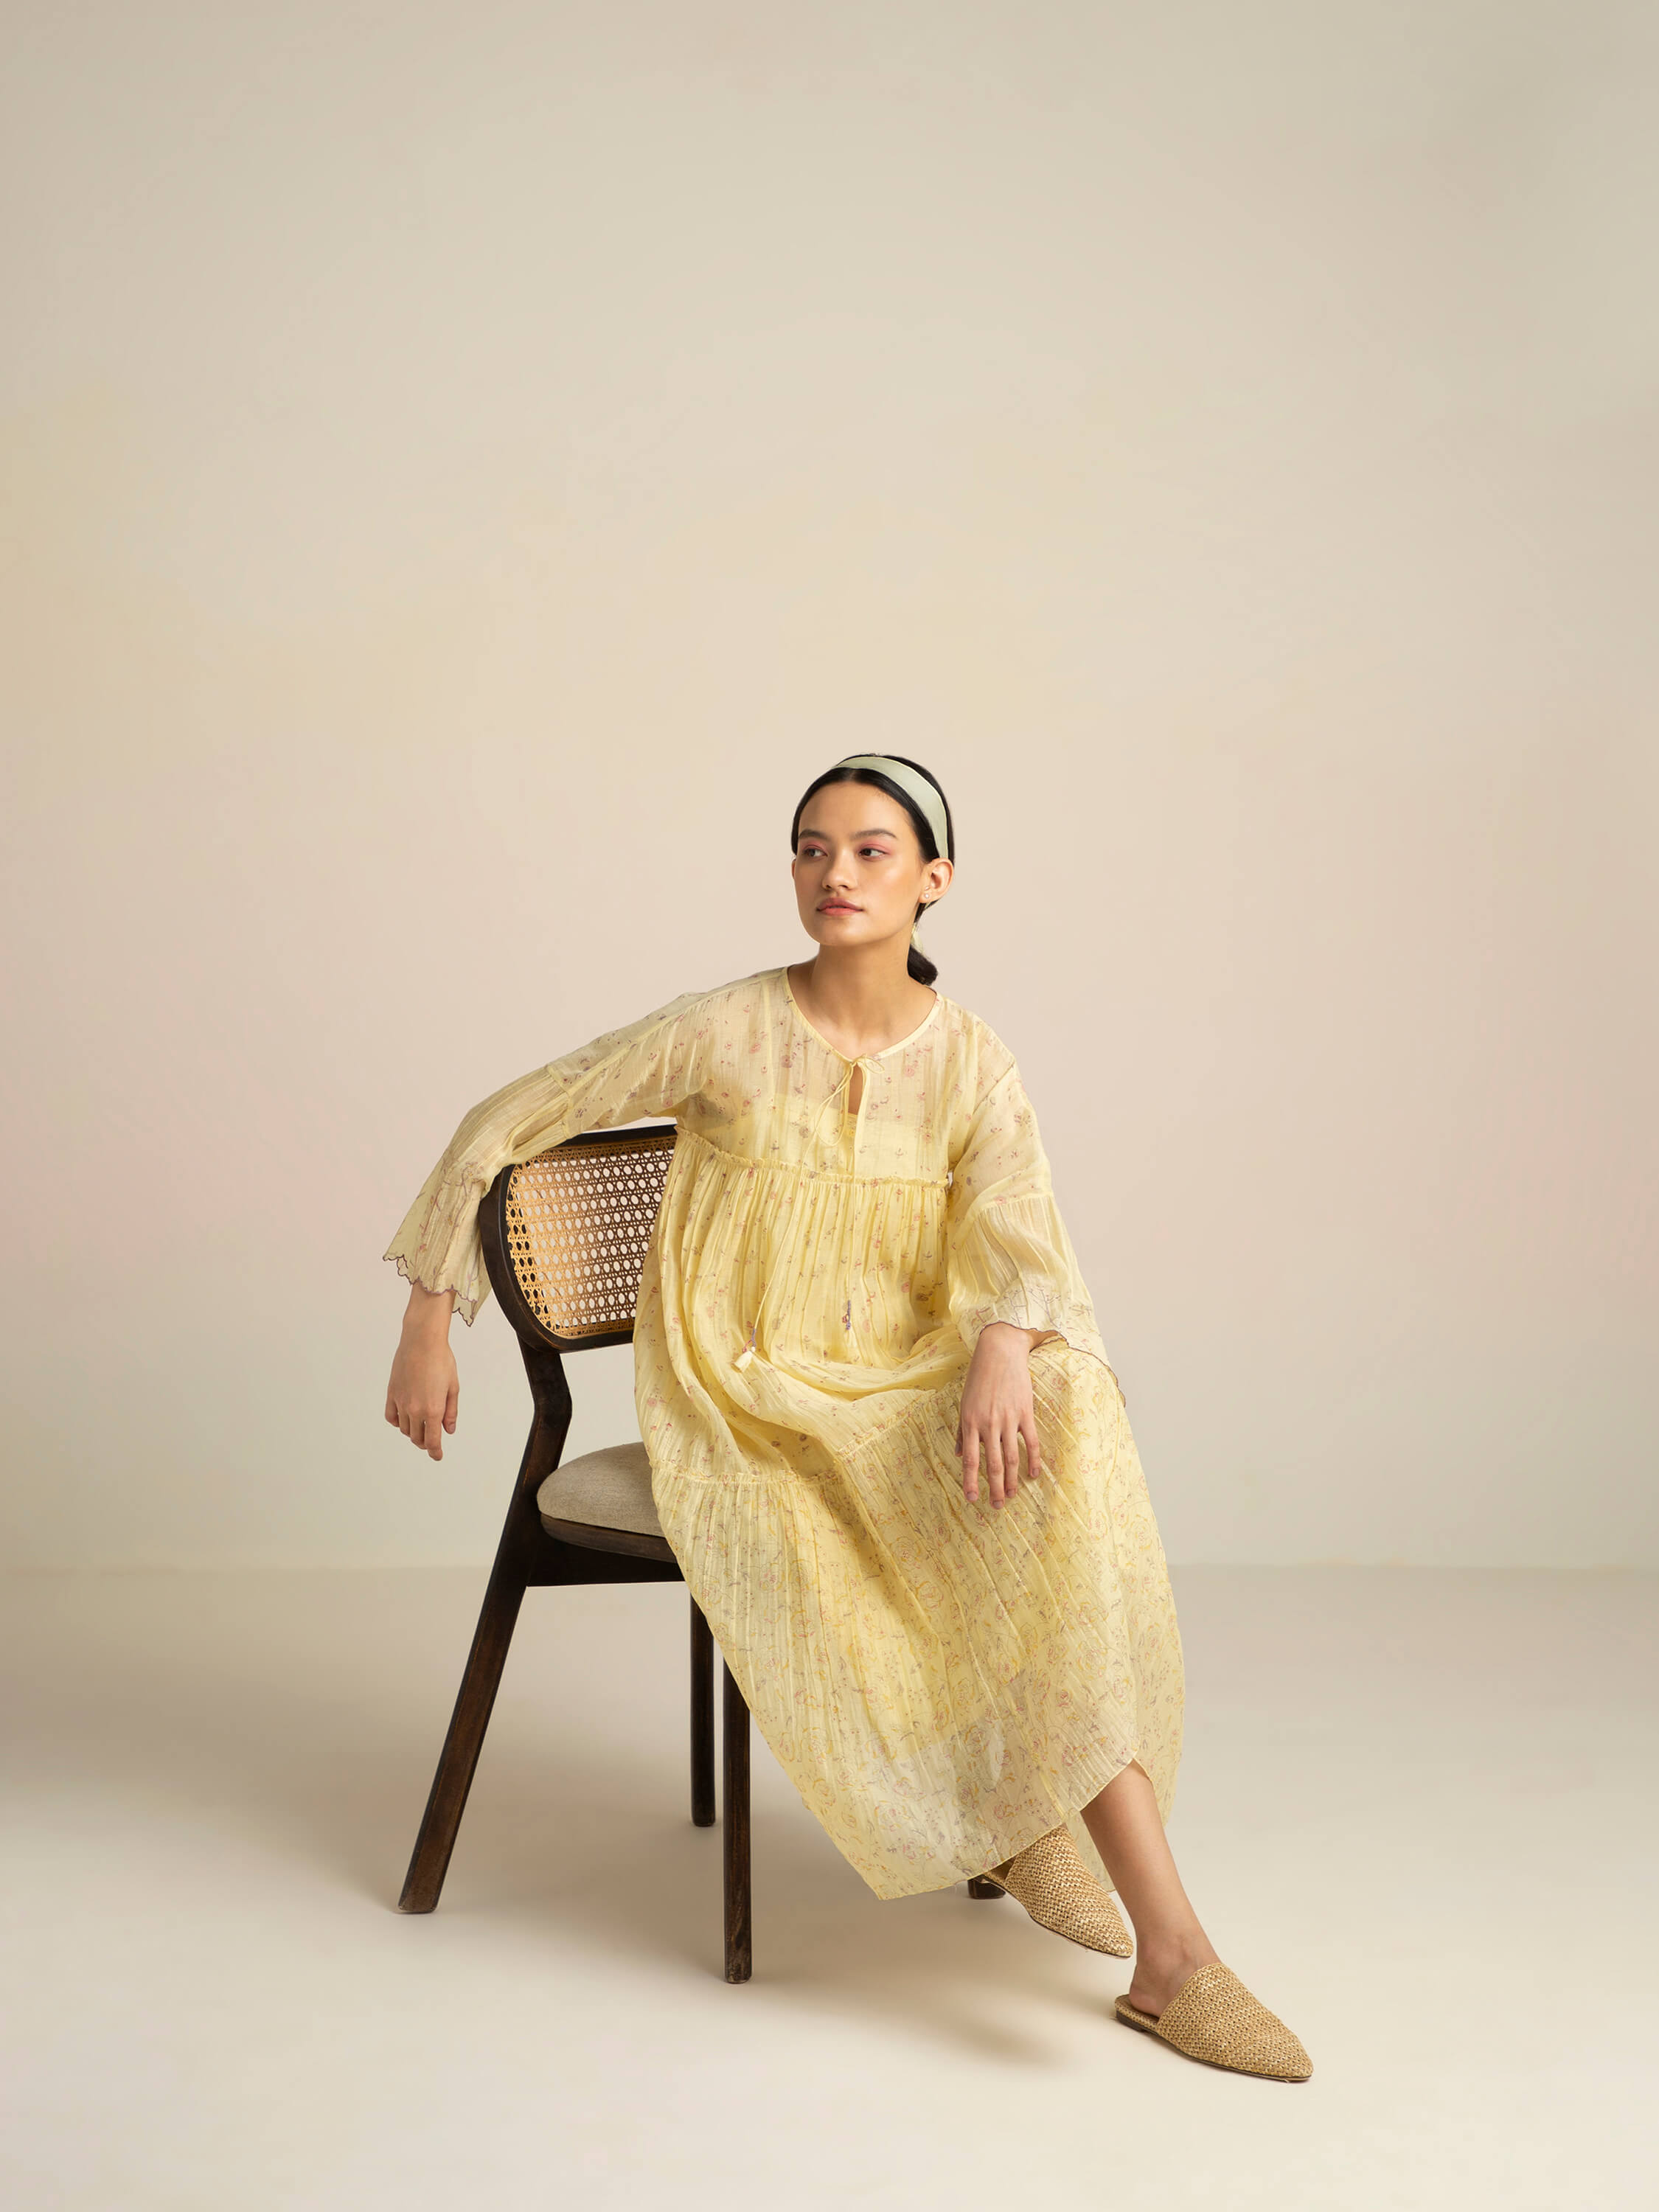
(1180, 1991)
(1213, 2018)
(1162, 1970)
(1050, 1880)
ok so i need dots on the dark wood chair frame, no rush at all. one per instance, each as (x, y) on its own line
(532, 1554)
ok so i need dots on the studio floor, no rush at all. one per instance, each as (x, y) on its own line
(1417, 1810)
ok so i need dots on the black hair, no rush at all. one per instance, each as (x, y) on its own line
(919, 966)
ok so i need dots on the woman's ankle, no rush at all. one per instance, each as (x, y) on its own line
(1169, 1958)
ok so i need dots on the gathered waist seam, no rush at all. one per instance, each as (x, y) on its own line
(741, 1161)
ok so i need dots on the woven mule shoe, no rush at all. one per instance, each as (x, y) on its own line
(1214, 2018)
(1050, 1880)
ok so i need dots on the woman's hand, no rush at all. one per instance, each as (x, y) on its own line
(425, 1394)
(997, 1411)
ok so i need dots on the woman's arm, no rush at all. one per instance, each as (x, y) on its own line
(1008, 1256)
(650, 1066)
(1014, 1284)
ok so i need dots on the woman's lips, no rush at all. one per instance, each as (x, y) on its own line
(839, 906)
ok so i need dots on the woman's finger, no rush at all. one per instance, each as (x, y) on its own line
(1033, 1448)
(970, 1465)
(994, 1466)
(452, 1407)
(1010, 1454)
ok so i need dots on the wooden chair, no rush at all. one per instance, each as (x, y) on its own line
(564, 1240)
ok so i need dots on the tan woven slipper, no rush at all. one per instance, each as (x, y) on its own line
(1213, 2018)
(1050, 1880)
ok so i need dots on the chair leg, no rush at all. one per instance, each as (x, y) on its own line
(985, 1890)
(702, 1719)
(734, 1730)
(459, 1760)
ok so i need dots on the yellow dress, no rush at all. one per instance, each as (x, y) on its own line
(942, 1682)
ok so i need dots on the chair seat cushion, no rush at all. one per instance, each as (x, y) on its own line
(608, 1489)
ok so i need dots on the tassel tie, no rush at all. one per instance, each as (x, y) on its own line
(749, 1352)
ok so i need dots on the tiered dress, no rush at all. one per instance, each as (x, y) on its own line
(943, 1682)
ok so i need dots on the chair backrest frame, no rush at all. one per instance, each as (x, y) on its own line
(494, 1234)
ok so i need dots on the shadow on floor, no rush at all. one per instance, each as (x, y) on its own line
(303, 1721)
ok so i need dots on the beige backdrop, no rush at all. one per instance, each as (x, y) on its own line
(465, 469)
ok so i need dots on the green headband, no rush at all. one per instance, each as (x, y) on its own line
(914, 786)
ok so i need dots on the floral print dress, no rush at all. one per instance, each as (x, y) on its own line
(943, 1682)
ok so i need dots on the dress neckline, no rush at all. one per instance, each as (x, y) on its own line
(852, 1059)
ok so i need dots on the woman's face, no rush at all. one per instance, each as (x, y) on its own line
(858, 868)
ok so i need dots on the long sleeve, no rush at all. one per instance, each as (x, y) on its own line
(649, 1066)
(1008, 1255)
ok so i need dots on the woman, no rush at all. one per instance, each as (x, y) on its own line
(886, 1446)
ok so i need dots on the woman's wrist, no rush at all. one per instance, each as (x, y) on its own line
(428, 1313)
(1029, 1338)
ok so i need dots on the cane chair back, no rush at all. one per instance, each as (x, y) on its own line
(572, 1228)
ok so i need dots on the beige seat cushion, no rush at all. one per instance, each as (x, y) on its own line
(608, 1489)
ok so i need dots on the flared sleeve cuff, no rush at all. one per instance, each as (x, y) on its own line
(1034, 1306)
(1014, 1263)
(438, 1245)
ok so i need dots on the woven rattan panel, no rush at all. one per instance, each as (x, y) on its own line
(579, 1220)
